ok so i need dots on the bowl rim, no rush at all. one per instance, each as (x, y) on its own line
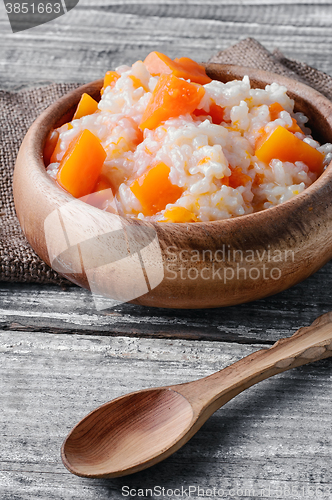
(37, 139)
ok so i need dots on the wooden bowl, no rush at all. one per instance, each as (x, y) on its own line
(198, 265)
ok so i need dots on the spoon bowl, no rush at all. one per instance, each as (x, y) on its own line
(127, 432)
(138, 430)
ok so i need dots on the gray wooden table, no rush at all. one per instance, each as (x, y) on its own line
(60, 357)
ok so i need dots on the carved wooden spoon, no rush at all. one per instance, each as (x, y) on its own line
(140, 429)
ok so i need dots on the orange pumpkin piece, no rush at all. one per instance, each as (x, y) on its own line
(179, 214)
(86, 106)
(58, 153)
(80, 167)
(50, 145)
(172, 97)
(275, 109)
(216, 112)
(109, 80)
(194, 72)
(154, 190)
(294, 127)
(238, 178)
(158, 64)
(285, 146)
(138, 83)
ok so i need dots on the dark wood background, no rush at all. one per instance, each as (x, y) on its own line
(60, 358)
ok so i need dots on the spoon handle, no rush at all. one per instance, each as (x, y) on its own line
(308, 344)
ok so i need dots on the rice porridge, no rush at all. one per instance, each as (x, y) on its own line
(166, 143)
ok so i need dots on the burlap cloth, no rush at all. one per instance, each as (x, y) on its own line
(18, 262)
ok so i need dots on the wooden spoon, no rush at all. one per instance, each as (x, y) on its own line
(140, 429)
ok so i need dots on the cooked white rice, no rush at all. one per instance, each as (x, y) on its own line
(199, 153)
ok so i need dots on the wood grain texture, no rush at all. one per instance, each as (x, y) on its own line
(138, 430)
(274, 437)
(97, 36)
(50, 309)
(49, 382)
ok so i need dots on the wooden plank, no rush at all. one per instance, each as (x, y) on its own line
(50, 309)
(250, 13)
(87, 41)
(274, 436)
(274, 440)
(194, 3)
